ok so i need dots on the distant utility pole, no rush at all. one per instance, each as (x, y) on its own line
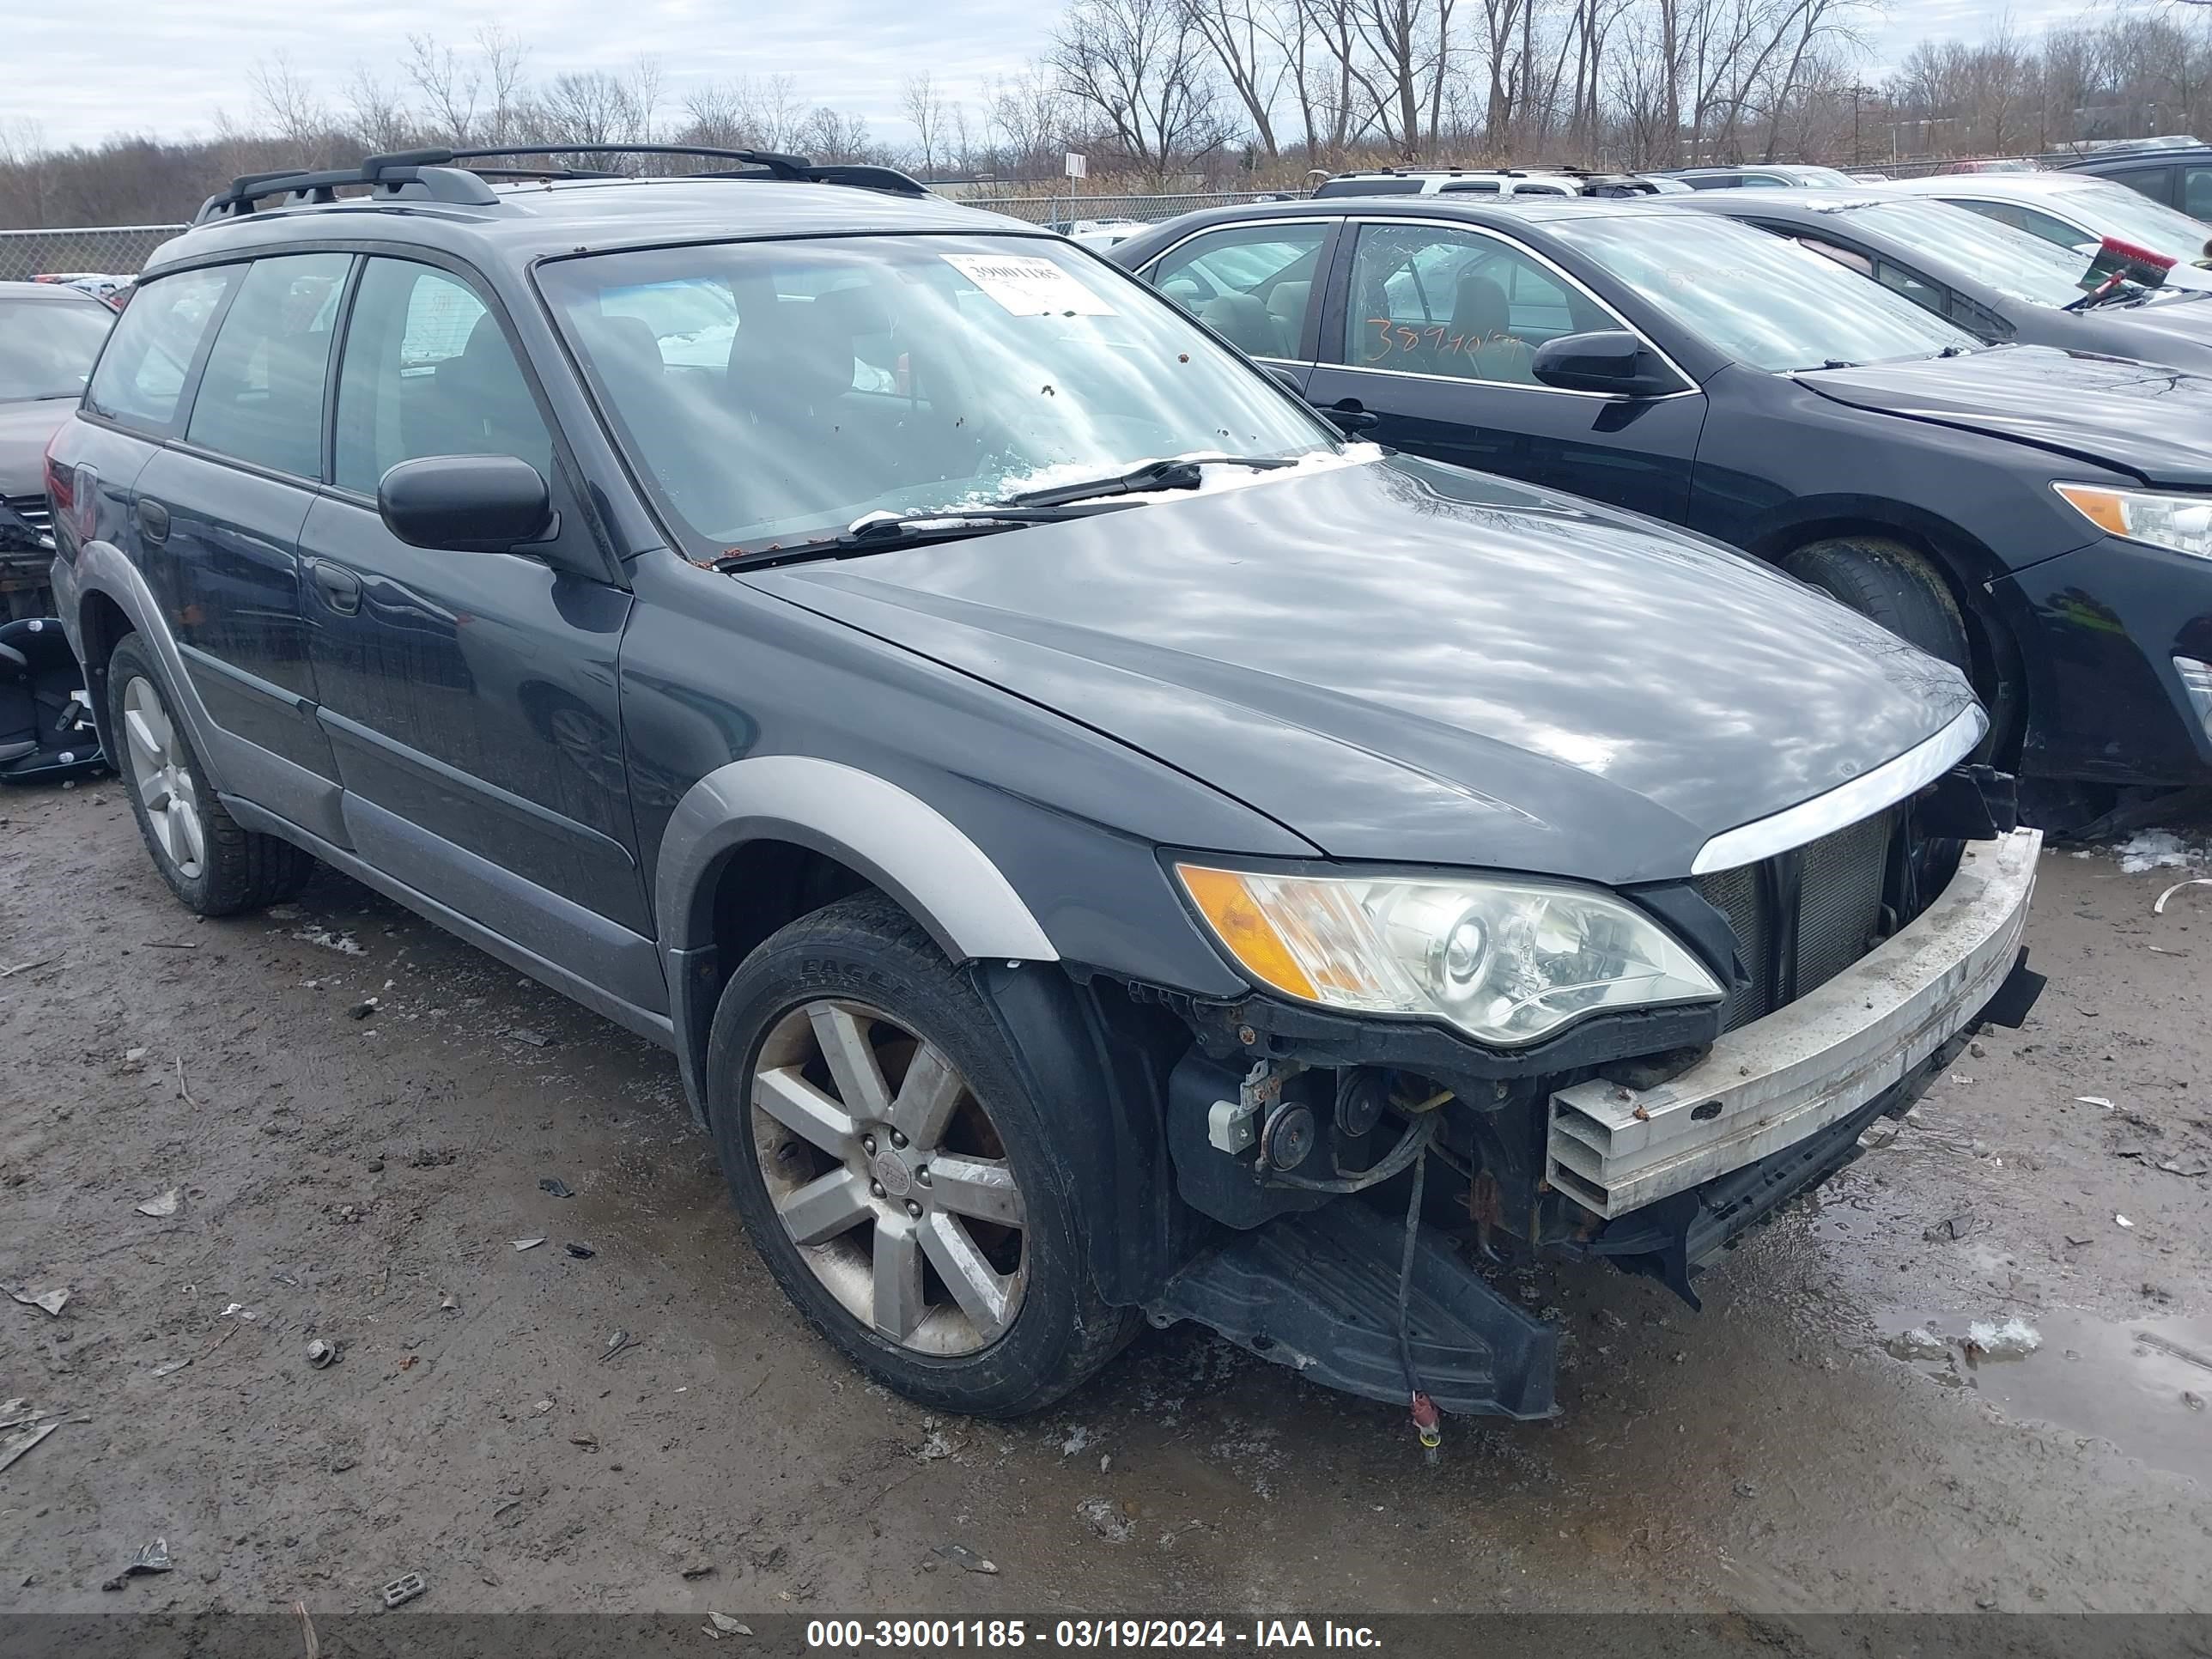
(1856, 93)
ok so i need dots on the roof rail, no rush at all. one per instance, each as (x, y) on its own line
(433, 174)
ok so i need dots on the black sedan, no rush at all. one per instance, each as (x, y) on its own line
(2041, 517)
(1999, 283)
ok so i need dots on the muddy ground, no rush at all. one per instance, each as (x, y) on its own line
(361, 1180)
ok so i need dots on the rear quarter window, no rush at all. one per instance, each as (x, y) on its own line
(150, 355)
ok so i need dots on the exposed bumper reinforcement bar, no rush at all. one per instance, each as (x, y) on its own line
(1777, 1080)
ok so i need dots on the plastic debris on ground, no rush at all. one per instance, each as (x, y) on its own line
(2124, 1222)
(719, 1624)
(22, 1428)
(321, 1353)
(556, 1187)
(53, 1301)
(528, 1243)
(164, 1205)
(581, 1252)
(1105, 1517)
(961, 1556)
(2158, 909)
(154, 1558)
(404, 1588)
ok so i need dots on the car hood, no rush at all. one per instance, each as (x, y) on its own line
(25, 428)
(2154, 422)
(1408, 662)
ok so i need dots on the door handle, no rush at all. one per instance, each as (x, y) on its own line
(153, 520)
(339, 587)
(1351, 415)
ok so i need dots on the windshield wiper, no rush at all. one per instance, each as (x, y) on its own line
(879, 531)
(1183, 473)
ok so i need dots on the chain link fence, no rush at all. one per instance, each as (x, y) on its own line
(109, 250)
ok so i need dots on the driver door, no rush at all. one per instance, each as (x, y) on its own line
(1433, 328)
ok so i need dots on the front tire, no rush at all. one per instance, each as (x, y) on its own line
(892, 1168)
(214, 865)
(1889, 583)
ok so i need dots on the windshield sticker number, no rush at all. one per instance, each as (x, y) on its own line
(1028, 287)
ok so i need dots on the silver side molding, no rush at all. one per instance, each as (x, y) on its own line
(898, 841)
(1847, 803)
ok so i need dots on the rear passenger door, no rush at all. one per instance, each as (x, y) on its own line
(1254, 284)
(469, 697)
(218, 512)
(1432, 328)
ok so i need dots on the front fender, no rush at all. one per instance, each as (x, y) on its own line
(897, 840)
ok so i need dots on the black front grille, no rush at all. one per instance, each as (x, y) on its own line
(1839, 913)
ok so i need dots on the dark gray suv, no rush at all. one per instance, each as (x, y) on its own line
(1099, 844)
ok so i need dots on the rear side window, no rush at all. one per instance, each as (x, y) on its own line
(260, 398)
(1250, 282)
(143, 372)
(427, 372)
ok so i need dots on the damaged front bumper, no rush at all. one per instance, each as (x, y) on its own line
(1826, 1057)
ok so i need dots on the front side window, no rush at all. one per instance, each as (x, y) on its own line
(426, 371)
(1250, 283)
(260, 398)
(1426, 300)
(2196, 193)
(47, 348)
(1762, 299)
(141, 373)
(904, 375)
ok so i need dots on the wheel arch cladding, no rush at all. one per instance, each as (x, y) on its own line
(796, 815)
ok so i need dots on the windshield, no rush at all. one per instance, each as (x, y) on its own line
(2015, 263)
(1763, 300)
(2116, 210)
(772, 393)
(47, 347)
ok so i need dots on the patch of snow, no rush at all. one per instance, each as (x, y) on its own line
(2155, 850)
(2013, 1338)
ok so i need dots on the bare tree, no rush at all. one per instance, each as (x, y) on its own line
(1242, 36)
(502, 57)
(286, 102)
(1140, 68)
(925, 113)
(449, 84)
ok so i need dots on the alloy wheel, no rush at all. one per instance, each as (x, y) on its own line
(161, 778)
(888, 1177)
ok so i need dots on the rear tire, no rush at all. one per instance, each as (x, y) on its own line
(1889, 583)
(214, 865)
(945, 1259)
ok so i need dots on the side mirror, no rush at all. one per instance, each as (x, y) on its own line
(467, 503)
(1604, 360)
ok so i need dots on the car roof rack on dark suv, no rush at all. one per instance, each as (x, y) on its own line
(436, 175)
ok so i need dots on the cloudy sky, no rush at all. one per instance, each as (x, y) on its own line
(165, 67)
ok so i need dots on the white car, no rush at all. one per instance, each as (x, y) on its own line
(1099, 234)
(2075, 210)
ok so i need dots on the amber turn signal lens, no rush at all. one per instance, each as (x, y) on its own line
(2103, 507)
(1238, 919)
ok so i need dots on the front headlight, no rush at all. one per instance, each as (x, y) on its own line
(1507, 961)
(2183, 523)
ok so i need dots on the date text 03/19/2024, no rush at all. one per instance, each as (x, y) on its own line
(1258, 1635)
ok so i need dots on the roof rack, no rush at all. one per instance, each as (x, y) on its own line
(433, 175)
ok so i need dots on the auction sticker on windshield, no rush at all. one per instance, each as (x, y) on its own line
(1028, 287)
